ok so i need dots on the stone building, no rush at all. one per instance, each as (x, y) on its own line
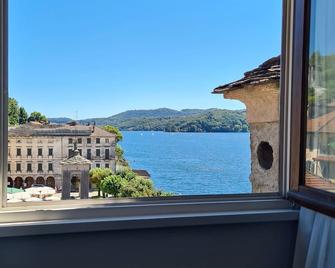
(35, 151)
(259, 91)
(75, 174)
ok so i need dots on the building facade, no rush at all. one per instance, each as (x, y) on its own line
(35, 151)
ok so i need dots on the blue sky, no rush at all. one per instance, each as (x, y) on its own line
(98, 58)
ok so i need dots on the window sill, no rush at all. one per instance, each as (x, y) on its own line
(154, 214)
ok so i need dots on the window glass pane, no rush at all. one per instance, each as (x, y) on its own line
(124, 100)
(320, 141)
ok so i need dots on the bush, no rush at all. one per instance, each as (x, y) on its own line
(138, 187)
(114, 185)
(98, 174)
(126, 184)
(126, 173)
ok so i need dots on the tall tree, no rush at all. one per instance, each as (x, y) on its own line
(13, 112)
(23, 116)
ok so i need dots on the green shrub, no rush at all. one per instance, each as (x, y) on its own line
(98, 174)
(138, 187)
(113, 185)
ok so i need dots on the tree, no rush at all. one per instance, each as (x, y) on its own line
(23, 116)
(114, 130)
(120, 154)
(113, 185)
(37, 117)
(126, 184)
(126, 173)
(138, 187)
(13, 112)
(97, 175)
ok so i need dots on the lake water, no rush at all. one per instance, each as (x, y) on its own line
(192, 163)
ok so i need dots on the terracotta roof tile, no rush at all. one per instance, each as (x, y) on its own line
(324, 123)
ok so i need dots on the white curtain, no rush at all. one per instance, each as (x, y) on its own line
(315, 244)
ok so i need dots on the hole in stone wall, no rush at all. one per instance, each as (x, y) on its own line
(265, 155)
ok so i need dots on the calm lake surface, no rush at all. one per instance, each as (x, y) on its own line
(191, 163)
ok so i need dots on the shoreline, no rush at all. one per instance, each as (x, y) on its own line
(199, 132)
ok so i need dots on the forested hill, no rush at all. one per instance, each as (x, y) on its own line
(164, 119)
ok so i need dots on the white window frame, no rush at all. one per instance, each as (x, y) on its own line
(84, 215)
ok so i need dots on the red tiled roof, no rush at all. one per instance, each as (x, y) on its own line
(324, 123)
(328, 158)
(318, 182)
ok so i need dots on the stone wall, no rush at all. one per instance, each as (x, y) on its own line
(261, 101)
(262, 105)
(264, 180)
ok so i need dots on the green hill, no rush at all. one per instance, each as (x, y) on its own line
(164, 119)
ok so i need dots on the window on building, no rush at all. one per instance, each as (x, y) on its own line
(106, 165)
(80, 151)
(51, 151)
(39, 151)
(106, 153)
(18, 151)
(97, 152)
(8, 167)
(40, 167)
(29, 151)
(97, 140)
(88, 140)
(70, 140)
(29, 167)
(80, 140)
(50, 167)
(88, 155)
(97, 165)
(18, 167)
(106, 140)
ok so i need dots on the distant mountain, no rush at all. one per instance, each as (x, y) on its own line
(161, 112)
(164, 119)
(59, 120)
